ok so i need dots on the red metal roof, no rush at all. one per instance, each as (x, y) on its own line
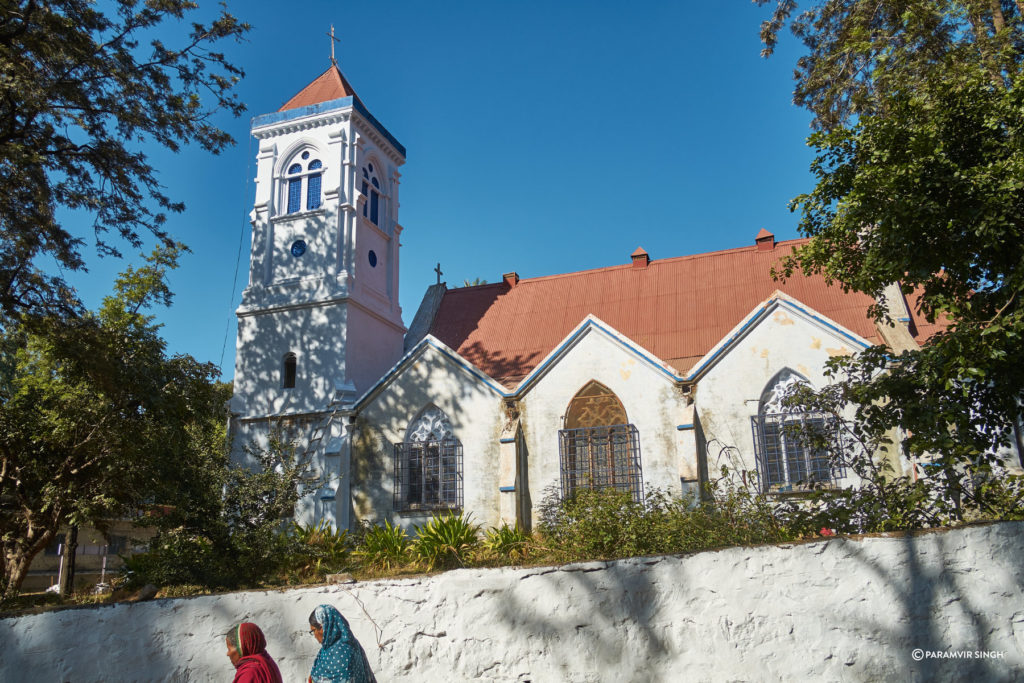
(330, 85)
(676, 308)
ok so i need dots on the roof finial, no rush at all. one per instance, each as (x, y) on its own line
(333, 41)
(439, 273)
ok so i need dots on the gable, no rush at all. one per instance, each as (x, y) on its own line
(431, 364)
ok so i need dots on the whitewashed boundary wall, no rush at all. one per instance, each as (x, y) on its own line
(831, 610)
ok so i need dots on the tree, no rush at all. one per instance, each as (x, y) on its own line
(96, 420)
(919, 112)
(79, 96)
(226, 527)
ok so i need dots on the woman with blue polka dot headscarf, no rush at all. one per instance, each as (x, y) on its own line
(341, 658)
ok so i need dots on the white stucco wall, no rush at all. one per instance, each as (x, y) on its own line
(474, 410)
(314, 334)
(835, 610)
(729, 394)
(649, 396)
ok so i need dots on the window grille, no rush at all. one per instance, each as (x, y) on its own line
(294, 194)
(428, 475)
(786, 461)
(600, 457)
(313, 186)
(313, 192)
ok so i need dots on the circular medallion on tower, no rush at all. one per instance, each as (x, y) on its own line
(373, 258)
(298, 248)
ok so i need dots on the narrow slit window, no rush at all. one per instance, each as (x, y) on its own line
(290, 367)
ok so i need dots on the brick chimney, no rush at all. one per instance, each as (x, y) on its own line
(765, 240)
(511, 279)
(640, 258)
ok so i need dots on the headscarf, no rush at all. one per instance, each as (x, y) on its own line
(341, 659)
(256, 665)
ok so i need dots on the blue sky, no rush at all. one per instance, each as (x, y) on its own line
(542, 138)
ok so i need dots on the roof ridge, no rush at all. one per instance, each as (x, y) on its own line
(654, 262)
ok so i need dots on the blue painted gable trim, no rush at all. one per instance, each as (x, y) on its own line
(686, 426)
(508, 440)
(400, 365)
(758, 317)
(554, 357)
(507, 489)
(323, 108)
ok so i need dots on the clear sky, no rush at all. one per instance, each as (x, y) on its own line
(542, 137)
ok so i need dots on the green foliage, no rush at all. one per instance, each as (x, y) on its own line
(238, 537)
(606, 524)
(919, 166)
(383, 547)
(79, 97)
(178, 557)
(96, 420)
(510, 543)
(858, 53)
(320, 550)
(446, 541)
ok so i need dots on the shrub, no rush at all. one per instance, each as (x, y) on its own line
(511, 544)
(446, 541)
(383, 547)
(320, 550)
(177, 556)
(606, 524)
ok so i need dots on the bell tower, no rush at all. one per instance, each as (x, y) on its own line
(319, 320)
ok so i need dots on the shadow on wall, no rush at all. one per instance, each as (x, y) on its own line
(860, 614)
(372, 467)
(935, 610)
(622, 629)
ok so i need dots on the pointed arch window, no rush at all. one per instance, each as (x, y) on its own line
(788, 457)
(428, 465)
(371, 190)
(304, 173)
(599, 448)
(289, 370)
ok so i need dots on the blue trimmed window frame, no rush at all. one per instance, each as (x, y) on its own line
(311, 177)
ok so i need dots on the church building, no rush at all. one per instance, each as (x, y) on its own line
(653, 371)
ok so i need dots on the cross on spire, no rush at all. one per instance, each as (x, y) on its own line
(333, 41)
(439, 273)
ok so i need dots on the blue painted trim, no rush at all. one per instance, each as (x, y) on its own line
(758, 316)
(380, 127)
(509, 440)
(506, 489)
(904, 320)
(330, 497)
(323, 108)
(552, 358)
(400, 365)
(686, 426)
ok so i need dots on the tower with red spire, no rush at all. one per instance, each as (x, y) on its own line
(319, 321)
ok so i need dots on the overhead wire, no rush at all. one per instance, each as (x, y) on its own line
(238, 256)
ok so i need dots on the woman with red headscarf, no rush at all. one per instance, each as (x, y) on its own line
(247, 650)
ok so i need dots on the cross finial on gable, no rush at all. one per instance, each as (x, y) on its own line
(439, 273)
(333, 41)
